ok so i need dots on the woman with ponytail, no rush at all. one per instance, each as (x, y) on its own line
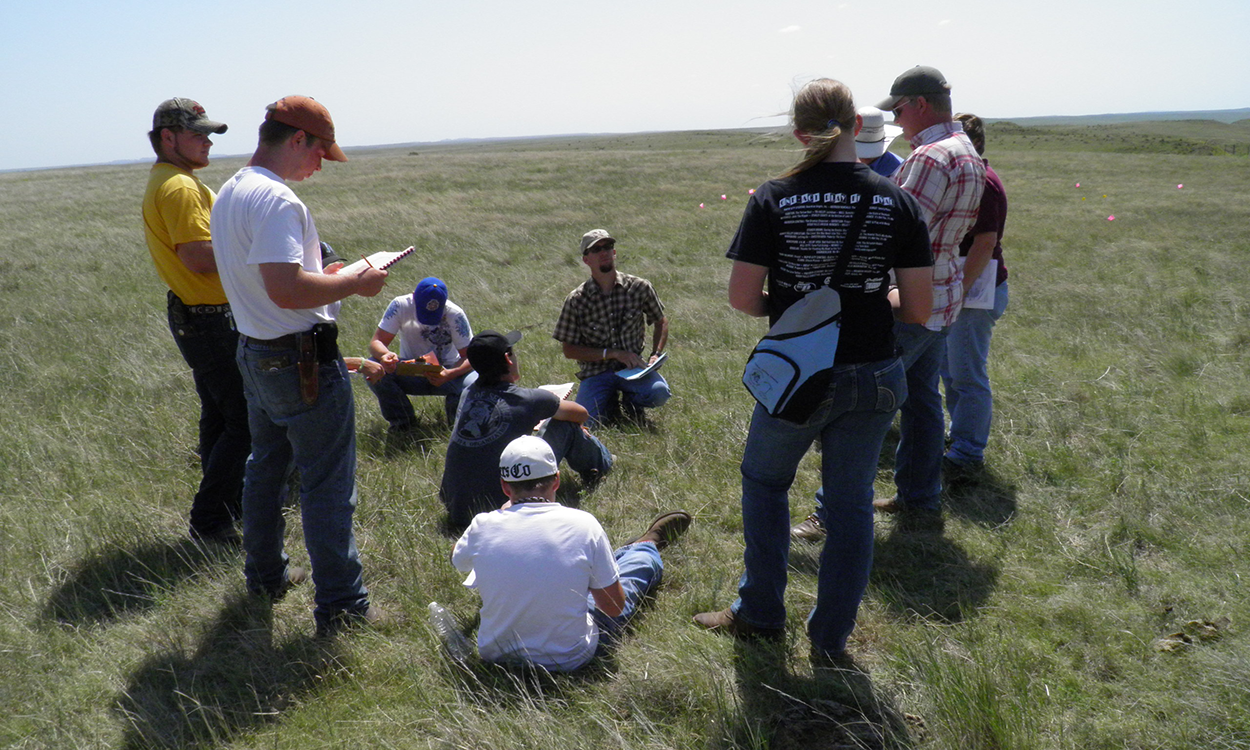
(793, 233)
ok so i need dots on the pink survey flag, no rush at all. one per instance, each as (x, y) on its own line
(700, 205)
(724, 197)
(1178, 187)
(1078, 184)
(1111, 218)
(751, 191)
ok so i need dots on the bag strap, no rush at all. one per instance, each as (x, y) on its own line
(852, 235)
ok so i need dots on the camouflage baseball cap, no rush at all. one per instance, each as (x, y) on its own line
(185, 113)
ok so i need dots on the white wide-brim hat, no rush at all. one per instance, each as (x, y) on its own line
(875, 135)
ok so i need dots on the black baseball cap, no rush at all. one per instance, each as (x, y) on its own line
(487, 349)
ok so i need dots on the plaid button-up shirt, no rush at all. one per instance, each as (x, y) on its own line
(946, 176)
(608, 321)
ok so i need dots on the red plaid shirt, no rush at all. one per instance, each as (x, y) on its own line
(946, 176)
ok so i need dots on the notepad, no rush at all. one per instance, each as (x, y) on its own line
(381, 260)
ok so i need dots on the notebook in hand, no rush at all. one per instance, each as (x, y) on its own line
(634, 373)
(381, 260)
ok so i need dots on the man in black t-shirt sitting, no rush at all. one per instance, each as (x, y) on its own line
(494, 411)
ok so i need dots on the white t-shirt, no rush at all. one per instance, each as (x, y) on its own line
(445, 339)
(534, 565)
(258, 219)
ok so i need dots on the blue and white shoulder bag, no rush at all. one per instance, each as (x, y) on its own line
(790, 369)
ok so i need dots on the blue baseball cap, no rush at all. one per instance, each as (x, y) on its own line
(430, 297)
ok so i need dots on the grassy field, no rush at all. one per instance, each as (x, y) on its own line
(1090, 592)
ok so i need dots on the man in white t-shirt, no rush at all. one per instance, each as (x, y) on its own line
(430, 329)
(299, 400)
(552, 589)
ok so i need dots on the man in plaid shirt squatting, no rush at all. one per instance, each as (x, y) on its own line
(602, 327)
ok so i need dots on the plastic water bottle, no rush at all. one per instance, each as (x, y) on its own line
(457, 646)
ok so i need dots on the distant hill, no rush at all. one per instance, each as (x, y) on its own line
(1218, 115)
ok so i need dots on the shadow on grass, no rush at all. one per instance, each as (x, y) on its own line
(926, 573)
(123, 581)
(981, 497)
(235, 681)
(830, 709)
(425, 435)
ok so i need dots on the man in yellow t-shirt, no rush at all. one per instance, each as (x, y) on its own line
(176, 209)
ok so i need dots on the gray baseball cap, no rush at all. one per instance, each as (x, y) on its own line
(918, 81)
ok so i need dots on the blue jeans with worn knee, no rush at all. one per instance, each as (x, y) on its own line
(850, 424)
(966, 379)
(393, 391)
(599, 393)
(922, 435)
(321, 439)
(640, 570)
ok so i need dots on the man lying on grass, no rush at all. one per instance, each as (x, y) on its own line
(553, 592)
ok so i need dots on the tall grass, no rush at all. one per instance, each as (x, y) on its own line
(1114, 511)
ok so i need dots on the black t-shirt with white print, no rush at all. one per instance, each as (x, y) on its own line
(795, 227)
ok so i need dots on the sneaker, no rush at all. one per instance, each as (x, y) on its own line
(810, 529)
(725, 623)
(666, 528)
(373, 617)
(295, 575)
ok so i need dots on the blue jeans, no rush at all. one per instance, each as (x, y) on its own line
(321, 439)
(393, 391)
(966, 378)
(208, 344)
(922, 436)
(598, 393)
(584, 452)
(918, 467)
(851, 424)
(640, 571)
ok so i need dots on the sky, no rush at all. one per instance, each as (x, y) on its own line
(79, 80)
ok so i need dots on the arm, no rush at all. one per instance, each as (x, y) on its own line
(915, 294)
(379, 349)
(746, 289)
(292, 288)
(571, 411)
(978, 256)
(610, 600)
(591, 354)
(461, 369)
(197, 256)
(371, 370)
(659, 339)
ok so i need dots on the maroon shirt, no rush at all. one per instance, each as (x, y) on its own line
(992, 217)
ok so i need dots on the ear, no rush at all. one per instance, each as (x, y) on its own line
(298, 139)
(802, 137)
(859, 123)
(168, 137)
(507, 489)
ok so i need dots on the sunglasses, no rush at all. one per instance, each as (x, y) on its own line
(598, 248)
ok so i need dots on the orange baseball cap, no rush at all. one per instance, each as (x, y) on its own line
(310, 116)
